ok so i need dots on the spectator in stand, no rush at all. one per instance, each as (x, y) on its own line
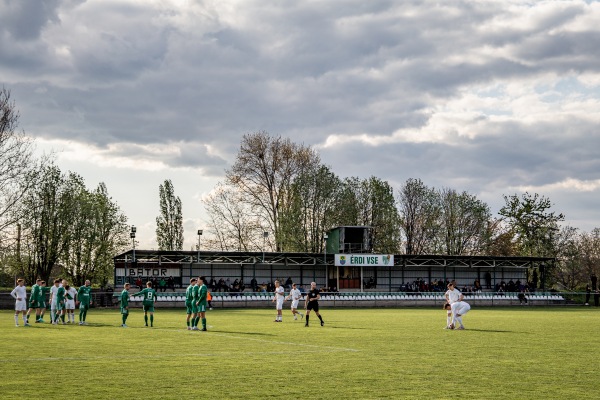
(221, 285)
(162, 285)
(254, 285)
(138, 282)
(488, 280)
(477, 286)
(213, 284)
(588, 294)
(288, 283)
(171, 283)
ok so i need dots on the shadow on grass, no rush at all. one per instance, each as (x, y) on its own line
(349, 327)
(242, 333)
(494, 331)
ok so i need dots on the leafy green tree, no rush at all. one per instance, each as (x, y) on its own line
(99, 231)
(465, 220)
(533, 224)
(315, 195)
(169, 224)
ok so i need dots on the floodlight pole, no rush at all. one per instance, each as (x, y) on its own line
(132, 236)
(265, 235)
(199, 236)
(325, 260)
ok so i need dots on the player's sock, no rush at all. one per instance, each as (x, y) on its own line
(16, 319)
(307, 319)
(203, 323)
(459, 319)
(188, 323)
(53, 316)
(448, 320)
(146, 319)
(62, 317)
(80, 316)
(151, 319)
(321, 319)
(84, 315)
(25, 319)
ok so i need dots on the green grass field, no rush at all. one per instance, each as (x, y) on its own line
(512, 353)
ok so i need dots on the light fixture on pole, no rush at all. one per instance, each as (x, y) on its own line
(199, 236)
(265, 235)
(132, 236)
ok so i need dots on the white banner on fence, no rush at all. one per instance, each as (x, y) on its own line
(364, 260)
(149, 271)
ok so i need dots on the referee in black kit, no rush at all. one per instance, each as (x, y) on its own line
(312, 302)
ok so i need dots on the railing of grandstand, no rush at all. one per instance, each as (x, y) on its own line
(355, 299)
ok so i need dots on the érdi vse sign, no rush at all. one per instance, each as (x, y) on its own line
(364, 260)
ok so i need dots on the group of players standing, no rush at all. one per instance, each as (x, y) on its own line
(63, 300)
(455, 307)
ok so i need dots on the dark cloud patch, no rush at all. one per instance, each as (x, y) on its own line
(192, 81)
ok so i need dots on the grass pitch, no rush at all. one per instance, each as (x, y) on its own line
(359, 353)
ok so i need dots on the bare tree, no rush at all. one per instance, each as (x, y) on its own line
(236, 227)
(264, 170)
(18, 168)
(420, 214)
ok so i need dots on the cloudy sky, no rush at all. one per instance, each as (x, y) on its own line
(491, 97)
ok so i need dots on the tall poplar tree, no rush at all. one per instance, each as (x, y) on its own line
(169, 224)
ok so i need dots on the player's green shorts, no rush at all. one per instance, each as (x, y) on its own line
(202, 306)
(59, 306)
(124, 310)
(148, 307)
(34, 304)
(42, 304)
(194, 308)
(84, 306)
(188, 308)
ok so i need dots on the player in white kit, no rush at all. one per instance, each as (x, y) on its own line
(452, 296)
(295, 296)
(20, 295)
(457, 310)
(70, 294)
(278, 300)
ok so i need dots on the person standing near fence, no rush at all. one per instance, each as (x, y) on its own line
(149, 298)
(34, 303)
(84, 298)
(71, 295)
(452, 296)
(295, 296)
(124, 300)
(311, 302)
(20, 295)
(202, 302)
(278, 300)
(189, 304)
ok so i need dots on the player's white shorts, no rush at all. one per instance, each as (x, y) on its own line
(70, 304)
(279, 303)
(295, 303)
(21, 305)
(461, 308)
